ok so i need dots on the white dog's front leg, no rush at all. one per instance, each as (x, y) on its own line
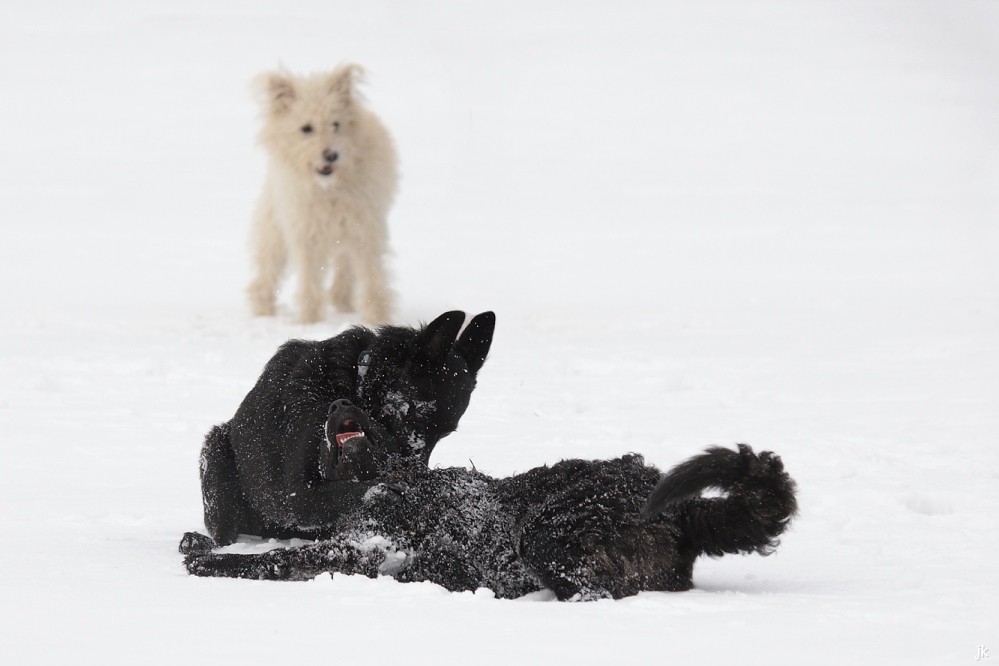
(375, 295)
(310, 288)
(342, 289)
(269, 258)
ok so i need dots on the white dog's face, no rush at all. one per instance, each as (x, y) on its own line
(307, 120)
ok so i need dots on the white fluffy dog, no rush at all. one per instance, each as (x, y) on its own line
(331, 178)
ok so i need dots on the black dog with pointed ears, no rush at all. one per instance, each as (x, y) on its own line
(584, 529)
(275, 471)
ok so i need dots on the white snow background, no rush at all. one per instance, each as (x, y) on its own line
(698, 223)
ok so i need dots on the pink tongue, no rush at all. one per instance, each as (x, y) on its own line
(342, 437)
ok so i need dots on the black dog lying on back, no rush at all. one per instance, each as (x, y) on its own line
(273, 471)
(584, 529)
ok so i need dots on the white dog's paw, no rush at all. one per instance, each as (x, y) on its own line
(342, 297)
(310, 315)
(262, 302)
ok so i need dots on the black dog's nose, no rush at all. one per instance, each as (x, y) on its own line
(331, 156)
(342, 403)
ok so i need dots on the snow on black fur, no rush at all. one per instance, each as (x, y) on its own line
(584, 529)
(300, 458)
(271, 471)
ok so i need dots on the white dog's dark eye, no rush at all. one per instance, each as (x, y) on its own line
(306, 129)
(336, 126)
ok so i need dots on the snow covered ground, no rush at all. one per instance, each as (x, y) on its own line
(698, 223)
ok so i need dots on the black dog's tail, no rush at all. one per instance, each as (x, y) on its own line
(757, 505)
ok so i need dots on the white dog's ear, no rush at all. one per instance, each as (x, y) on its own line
(343, 80)
(277, 90)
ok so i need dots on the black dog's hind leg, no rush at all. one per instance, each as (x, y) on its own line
(614, 563)
(585, 540)
(227, 513)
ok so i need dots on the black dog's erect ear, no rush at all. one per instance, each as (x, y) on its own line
(437, 338)
(476, 339)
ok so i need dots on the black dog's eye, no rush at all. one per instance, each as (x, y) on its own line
(336, 126)
(306, 129)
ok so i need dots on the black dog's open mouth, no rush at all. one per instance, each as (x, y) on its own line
(347, 431)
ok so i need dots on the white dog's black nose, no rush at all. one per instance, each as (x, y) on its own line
(331, 156)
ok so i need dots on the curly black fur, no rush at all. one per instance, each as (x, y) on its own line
(584, 529)
(270, 470)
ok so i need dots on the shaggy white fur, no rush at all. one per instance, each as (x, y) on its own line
(330, 182)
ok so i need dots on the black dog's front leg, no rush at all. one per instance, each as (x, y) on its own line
(265, 566)
(316, 508)
(338, 555)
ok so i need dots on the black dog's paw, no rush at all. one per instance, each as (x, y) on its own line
(193, 543)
